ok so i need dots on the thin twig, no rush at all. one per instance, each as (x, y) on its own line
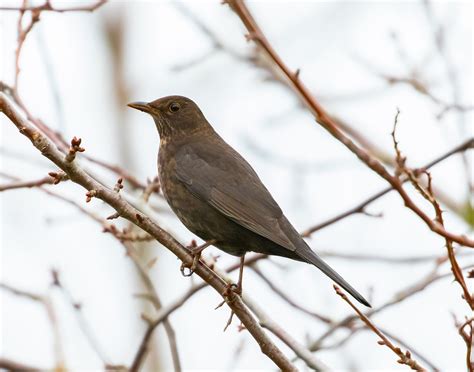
(81, 320)
(301, 351)
(286, 298)
(411, 290)
(48, 7)
(155, 300)
(405, 357)
(162, 315)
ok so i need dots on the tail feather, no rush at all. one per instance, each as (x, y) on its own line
(309, 256)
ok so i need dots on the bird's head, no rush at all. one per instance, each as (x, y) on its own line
(174, 115)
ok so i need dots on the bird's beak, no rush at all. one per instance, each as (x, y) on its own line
(142, 106)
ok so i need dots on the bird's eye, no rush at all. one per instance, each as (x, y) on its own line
(173, 107)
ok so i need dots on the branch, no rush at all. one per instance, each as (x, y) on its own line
(152, 295)
(329, 124)
(11, 365)
(402, 295)
(405, 358)
(52, 179)
(48, 7)
(286, 298)
(301, 351)
(81, 320)
(427, 193)
(468, 337)
(359, 208)
(127, 211)
(165, 312)
(162, 315)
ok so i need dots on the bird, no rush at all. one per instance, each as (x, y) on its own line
(217, 195)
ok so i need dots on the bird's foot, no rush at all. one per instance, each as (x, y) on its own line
(191, 268)
(230, 289)
(196, 253)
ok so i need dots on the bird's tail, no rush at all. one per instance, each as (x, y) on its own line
(309, 256)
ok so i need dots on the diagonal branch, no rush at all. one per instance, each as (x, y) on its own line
(123, 208)
(329, 124)
(405, 358)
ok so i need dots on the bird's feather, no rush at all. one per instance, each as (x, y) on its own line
(218, 182)
(233, 188)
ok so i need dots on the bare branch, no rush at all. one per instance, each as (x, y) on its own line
(427, 193)
(328, 123)
(52, 179)
(48, 7)
(397, 298)
(301, 351)
(11, 365)
(127, 211)
(405, 357)
(467, 145)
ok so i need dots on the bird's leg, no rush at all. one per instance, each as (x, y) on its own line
(196, 252)
(238, 290)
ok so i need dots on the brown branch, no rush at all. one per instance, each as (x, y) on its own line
(151, 295)
(405, 358)
(165, 312)
(427, 193)
(48, 7)
(399, 297)
(127, 211)
(359, 208)
(328, 123)
(62, 144)
(162, 315)
(52, 179)
(468, 337)
(390, 335)
(300, 350)
(12, 365)
(22, 34)
(13, 90)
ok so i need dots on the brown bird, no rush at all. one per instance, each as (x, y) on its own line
(217, 195)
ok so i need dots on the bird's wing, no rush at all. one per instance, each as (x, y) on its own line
(228, 183)
(218, 175)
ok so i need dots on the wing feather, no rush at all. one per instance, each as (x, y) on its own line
(233, 188)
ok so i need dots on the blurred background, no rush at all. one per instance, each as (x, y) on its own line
(362, 60)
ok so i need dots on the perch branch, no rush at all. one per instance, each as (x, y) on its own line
(123, 208)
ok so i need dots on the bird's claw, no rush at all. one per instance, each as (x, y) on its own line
(192, 268)
(183, 272)
(236, 289)
(229, 289)
(232, 287)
